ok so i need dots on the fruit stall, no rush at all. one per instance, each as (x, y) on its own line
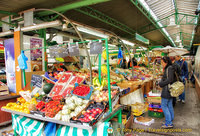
(70, 99)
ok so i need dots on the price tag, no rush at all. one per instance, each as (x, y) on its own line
(96, 47)
(36, 80)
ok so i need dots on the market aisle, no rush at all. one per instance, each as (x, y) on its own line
(187, 118)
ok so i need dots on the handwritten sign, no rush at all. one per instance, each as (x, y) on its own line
(36, 80)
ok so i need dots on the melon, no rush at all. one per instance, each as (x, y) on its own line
(47, 87)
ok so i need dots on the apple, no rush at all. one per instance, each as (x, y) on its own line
(95, 112)
(88, 111)
(93, 115)
(91, 118)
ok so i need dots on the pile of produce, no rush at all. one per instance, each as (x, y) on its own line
(103, 95)
(21, 105)
(73, 106)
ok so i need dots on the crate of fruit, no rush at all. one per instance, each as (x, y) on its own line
(82, 91)
(91, 114)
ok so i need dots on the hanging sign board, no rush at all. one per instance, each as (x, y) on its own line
(36, 80)
(141, 38)
(58, 51)
(73, 50)
(96, 47)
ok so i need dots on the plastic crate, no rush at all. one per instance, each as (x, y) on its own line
(156, 114)
(87, 97)
(154, 106)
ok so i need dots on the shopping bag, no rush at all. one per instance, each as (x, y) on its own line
(22, 61)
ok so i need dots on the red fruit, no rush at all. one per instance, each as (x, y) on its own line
(95, 112)
(93, 115)
(88, 111)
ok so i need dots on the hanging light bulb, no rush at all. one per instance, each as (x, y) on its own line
(180, 45)
(172, 21)
(178, 38)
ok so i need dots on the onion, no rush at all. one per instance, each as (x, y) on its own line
(66, 111)
(58, 116)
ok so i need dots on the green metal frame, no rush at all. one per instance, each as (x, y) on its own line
(72, 6)
(7, 12)
(179, 17)
(108, 68)
(147, 14)
(111, 21)
(106, 19)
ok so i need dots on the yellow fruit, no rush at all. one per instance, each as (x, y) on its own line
(37, 95)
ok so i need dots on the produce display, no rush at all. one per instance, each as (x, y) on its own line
(103, 95)
(77, 79)
(56, 90)
(81, 90)
(91, 113)
(21, 105)
(73, 106)
(65, 77)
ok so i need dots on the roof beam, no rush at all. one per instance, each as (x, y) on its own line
(182, 20)
(152, 19)
(106, 19)
(71, 6)
(7, 12)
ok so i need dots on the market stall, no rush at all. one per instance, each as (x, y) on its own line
(67, 102)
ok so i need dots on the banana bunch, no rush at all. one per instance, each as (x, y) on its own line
(104, 55)
(104, 69)
(97, 84)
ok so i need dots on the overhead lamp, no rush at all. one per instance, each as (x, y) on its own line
(6, 33)
(41, 26)
(180, 45)
(92, 32)
(178, 38)
(128, 43)
(172, 21)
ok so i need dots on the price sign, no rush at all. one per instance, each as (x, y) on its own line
(36, 80)
(96, 47)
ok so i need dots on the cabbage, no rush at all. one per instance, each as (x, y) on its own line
(68, 100)
(78, 109)
(85, 101)
(73, 114)
(71, 106)
(78, 101)
(65, 107)
(65, 118)
(74, 97)
(58, 116)
(66, 111)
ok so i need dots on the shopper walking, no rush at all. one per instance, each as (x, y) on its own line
(184, 73)
(166, 101)
(177, 69)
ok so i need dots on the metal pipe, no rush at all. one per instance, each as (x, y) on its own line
(41, 26)
(6, 33)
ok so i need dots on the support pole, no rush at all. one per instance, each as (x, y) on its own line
(100, 68)
(17, 48)
(120, 117)
(108, 74)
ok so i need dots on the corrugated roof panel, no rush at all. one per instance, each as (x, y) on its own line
(164, 8)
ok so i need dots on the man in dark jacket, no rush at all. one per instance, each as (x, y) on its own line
(184, 74)
(177, 69)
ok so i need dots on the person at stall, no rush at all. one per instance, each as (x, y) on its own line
(123, 65)
(184, 73)
(134, 62)
(177, 69)
(166, 98)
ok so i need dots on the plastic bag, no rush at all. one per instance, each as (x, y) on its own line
(22, 61)
(120, 53)
(50, 129)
